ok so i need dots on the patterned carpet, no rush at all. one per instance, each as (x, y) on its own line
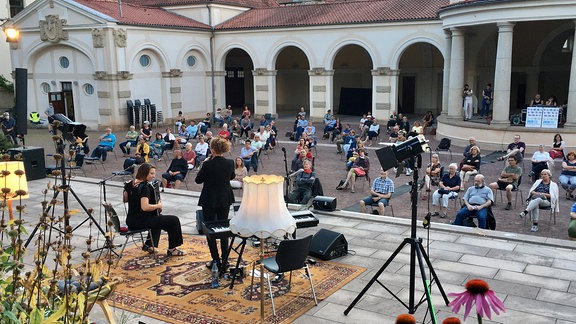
(178, 290)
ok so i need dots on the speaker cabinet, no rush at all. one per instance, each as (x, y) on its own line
(328, 245)
(33, 161)
(21, 112)
(324, 203)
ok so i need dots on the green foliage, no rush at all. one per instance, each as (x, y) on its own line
(5, 144)
(6, 84)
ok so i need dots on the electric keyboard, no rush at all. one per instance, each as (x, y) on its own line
(220, 229)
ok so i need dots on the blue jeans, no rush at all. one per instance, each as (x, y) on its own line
(485, 110)
(369, 201)
(567, 182)
(481, 214)
(101, 152)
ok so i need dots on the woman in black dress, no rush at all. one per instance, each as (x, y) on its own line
(216, 196)
(144, 208)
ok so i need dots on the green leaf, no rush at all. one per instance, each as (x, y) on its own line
(11, 316)
(36, 316)
(55, 318)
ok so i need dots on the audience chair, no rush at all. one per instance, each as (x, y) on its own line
(367, 177)
(517, 191)
(551, 208)
(128, 234)
(374, 207)
(291, 255)
(445, 150)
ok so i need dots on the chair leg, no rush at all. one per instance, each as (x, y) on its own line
(122, 251)
(311, 284)
(270, 290)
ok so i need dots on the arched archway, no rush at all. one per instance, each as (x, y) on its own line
(292, 81)
(352, 89)
(239, 80)
(420, 79)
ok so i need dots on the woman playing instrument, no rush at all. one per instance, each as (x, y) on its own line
(144, 208)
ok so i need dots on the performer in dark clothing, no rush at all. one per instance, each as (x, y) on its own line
(216, 196)
(144, 208)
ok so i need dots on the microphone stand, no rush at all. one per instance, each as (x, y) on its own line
(286, 193)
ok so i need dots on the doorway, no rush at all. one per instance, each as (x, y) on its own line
(408, 94)
(68, 100)
(235, 87)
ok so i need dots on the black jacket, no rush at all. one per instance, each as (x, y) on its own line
(216, 174)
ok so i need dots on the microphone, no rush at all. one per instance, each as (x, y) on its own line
(426, 221)
(295, 173)
(284, 149)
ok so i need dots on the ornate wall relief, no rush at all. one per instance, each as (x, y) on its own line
(120, 37)
(97, 38)
(52, 29)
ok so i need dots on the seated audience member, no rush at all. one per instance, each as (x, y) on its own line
(337, 131)
(208, 120)
(249, 155)
(240, 171)
(218, 120)
(343, 144)
(246, 112)
(298, 161)
(301, 126)
(144, 209)
(515, 148)
(310, 132)
(202, 127)
(176, 171)
(405, 125)
(329, 126)
(394, 134)
(302, 191)
(368, 121)
(448, 187)
(551, 102)
(568, 176)
(380, 193)
(169, 139)
(142, 151)
(157, 147)
(471, 165)
(131, 140)
(471, 143)
(373, 131)
(543, 193)
(433, 175)
(245, 126)
(427, 121)
(537, 101)
(540, 161)
(558, 147)
(360, 167)
(146, 131)
(234, 129)
(477, 200)
(107, 142)
(227, 114)
(302, 112)
(391, 121)
(224, 133)
(192, 129)
(201, 150)
(268, 137)
(263, 122)
(179, 119)
(327, 117)
(416, 129)
(189, 155)
(508, 180)
(182, 137)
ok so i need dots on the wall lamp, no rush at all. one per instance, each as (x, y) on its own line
(12, 34)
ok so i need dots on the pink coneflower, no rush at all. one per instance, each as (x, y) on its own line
(405, 319)
(477, 291)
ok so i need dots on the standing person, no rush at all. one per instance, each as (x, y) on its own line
(49, 112)
(131, 140)
(107, 142)
(144, 208)
(9, 127)
(487, 98)
(216, 196)
(543, 193)
(467, 95)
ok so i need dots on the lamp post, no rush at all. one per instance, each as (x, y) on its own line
(263, 214)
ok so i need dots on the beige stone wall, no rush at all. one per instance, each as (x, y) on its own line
(6, 99)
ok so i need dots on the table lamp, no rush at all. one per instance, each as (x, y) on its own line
(263, 214)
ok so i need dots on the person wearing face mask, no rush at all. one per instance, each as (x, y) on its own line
(303, 185)
(477, 200)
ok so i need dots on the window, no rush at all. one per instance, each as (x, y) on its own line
(15, 7)
(66, 86)
(64, 62)
(145, 60)
(88, 89)
(45, 87)
(191, 60)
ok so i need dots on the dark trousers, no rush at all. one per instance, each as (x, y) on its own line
(168, 223)
(213, 214)
(101, 152)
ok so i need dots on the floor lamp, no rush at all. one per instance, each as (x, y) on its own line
(13, 183)
(263, 214)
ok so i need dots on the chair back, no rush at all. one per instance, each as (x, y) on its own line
(79, 159)
(113, 216)
(292, 254)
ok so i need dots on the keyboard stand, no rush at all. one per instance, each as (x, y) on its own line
(240, 245)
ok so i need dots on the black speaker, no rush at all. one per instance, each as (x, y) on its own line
(324, 203)
(21, 111)
(33, 161)
(199, 221)
(328, 245)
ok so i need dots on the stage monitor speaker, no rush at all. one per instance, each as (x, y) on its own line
(21, 111)
(324, 203)
(33, 158)
(328, 245)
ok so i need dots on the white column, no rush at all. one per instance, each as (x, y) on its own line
(264, 85)
(503, 74)
(381, 91)
(456, 82)
(446, 74)
(320, 91)
(571, 113)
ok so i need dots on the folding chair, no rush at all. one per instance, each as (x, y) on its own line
(517, 190)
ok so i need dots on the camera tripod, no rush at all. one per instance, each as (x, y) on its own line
(417, 252)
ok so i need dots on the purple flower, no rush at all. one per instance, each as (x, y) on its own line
(478, 292)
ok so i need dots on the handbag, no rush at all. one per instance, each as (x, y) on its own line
(359, 172)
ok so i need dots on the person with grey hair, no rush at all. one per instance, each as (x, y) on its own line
(477, 200)
(449, 187)
(540, 161)
(543, 193)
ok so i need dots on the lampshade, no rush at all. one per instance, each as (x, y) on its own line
(12, 179)
(263, 212)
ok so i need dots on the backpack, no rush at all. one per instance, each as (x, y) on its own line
(444, 143)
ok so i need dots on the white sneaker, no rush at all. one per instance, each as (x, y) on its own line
(534, 228)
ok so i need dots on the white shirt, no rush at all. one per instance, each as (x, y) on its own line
(201, 149)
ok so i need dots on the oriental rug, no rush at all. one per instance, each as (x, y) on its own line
(178, 289)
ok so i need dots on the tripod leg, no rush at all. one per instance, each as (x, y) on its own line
(425, 285)
(29, 240)
(375, 278)
(431, 269)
